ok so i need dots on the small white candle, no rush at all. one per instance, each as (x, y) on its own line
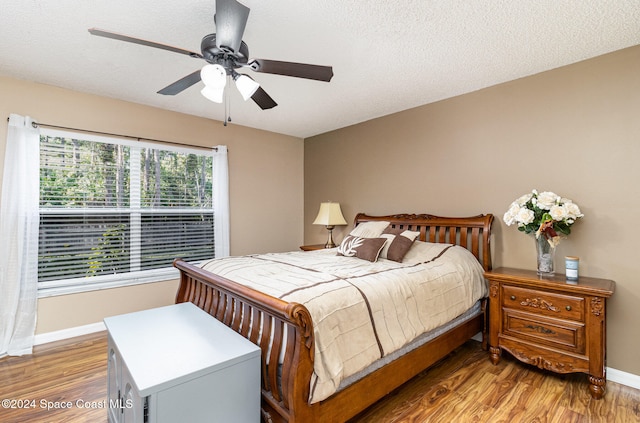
(571, 266)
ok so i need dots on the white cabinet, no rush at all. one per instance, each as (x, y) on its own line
(179, 364)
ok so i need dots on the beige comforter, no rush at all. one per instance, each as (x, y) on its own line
(363, 311)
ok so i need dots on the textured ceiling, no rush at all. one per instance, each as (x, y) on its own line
(387, 56)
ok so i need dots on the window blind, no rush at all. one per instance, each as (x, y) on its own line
(116, 207)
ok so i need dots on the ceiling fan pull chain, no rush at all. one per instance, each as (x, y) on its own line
(227, 107)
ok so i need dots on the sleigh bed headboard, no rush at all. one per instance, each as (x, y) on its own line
(472, 233)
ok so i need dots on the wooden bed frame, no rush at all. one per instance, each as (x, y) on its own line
(285, 388)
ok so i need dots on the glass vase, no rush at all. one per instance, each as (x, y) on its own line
(545, 255)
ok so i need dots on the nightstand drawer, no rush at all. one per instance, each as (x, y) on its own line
(544, 303)
(562, 334)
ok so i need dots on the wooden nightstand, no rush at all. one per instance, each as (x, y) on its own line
(552, 323)
(312, 247)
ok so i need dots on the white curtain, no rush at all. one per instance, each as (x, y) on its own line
(19, 218)
(221, 200)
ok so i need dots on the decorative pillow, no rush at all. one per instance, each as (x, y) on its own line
(369, 229)
(398, 245)
(392, 231)
(363, 248)
(423, 251)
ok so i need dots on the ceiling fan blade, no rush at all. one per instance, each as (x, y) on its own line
(262, 99)
(299, 70)
(116, 36)
(231, 19)
(181, 84)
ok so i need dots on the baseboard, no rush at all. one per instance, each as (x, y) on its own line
(59, 335)
(623, 378)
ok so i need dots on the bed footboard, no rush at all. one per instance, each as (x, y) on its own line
(282, 330)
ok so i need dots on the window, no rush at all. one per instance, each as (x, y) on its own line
(116, 212)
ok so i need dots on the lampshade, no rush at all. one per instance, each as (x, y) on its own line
(213, 76)
(330, 215)
(214, 94)
(246, 86)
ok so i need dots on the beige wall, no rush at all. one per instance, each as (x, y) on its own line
(266, 184)
(573, 130)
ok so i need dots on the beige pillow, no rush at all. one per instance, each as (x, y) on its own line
(362, 248)
(369, 229)
(423, 251)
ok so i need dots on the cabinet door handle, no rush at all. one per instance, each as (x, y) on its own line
(568, 308)
(513, 298)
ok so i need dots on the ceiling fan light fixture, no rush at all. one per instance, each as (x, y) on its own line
(246, 85)
(213, 94)
(213, 76)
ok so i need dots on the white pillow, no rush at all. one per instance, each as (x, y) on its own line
(423, 251)
(369, 229)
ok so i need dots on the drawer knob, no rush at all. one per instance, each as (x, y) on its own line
(513, 298)
(568, 308)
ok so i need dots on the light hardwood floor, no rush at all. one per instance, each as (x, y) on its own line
(69, 378)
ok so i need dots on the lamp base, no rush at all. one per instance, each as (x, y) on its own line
(330, 243)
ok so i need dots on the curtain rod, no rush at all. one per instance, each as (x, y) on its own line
(48, 125)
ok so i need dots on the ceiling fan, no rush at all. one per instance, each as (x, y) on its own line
(224, 51)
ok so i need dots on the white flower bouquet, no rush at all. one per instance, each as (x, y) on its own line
(546, 213)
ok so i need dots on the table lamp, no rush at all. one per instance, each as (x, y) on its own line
(330, 216)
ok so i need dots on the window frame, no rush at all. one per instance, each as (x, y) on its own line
(136, 277)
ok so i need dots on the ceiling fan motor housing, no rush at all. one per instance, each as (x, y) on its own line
(224, 56)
